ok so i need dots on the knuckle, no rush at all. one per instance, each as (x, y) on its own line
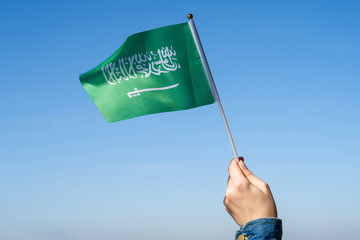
(229, 194)
(240, 185)
(227, 209)
(265, 186)
(248, 173)
(226, 202)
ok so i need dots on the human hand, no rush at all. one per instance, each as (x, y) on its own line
(247, 197)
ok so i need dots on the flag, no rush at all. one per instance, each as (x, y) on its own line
(153, 71)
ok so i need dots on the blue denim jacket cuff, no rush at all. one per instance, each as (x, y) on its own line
(260, 229)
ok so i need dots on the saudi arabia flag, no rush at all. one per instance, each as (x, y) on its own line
(154, 71)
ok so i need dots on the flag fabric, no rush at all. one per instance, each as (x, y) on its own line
(154, 71)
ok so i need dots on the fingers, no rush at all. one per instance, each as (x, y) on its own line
(230, 190)
(252, 178)
(237, 183)
(236, 174)
(245, 170)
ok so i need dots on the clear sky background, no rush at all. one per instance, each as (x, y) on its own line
(288, 76)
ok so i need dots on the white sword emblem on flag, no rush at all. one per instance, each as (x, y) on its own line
(137, 92)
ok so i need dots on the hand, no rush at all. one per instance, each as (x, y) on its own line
(247, 197)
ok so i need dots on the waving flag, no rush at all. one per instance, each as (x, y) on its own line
(154, 71)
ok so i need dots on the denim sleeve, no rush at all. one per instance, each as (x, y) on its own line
(261, 229)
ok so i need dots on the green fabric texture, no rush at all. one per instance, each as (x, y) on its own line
(154, 71)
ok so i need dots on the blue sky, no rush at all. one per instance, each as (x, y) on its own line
(288, 76)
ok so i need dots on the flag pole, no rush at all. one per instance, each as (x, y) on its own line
(211, 81)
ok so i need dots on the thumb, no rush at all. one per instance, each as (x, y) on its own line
(252, 178)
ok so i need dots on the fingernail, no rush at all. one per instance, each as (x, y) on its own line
(241, 159)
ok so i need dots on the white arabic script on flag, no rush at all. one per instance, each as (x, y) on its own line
(141, 64)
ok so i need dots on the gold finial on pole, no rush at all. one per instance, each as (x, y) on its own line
(190, 16)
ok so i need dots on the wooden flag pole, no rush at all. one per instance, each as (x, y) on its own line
(211, 81)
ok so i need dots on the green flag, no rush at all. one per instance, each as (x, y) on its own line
(154, 71)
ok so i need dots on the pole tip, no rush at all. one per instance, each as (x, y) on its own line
(190, 16)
